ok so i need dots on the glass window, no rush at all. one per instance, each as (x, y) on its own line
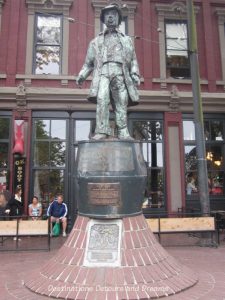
(189, 130)
(214, 139)
(4, 152)
(4, 128)
(47, 52)
(82, 130)
(49, 158)
(150, 133)
(47, 184)
(177, 58)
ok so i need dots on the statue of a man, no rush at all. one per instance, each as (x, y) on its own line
(116, 74)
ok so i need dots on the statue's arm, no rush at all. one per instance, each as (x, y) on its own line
(134, 69)
(88, 65)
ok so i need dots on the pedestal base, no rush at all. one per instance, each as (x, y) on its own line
(146, 270)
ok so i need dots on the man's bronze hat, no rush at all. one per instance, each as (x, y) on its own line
(111, 7)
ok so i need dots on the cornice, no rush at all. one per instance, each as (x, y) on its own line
(65, 98)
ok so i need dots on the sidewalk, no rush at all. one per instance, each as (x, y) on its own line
(208, 263)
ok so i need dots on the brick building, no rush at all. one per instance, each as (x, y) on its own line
(43, 114)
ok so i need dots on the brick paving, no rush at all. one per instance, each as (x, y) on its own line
(207, 263)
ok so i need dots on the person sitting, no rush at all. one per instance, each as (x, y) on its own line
(57, 211)
(35, 209)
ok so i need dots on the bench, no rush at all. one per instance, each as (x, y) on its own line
(20, 228)
(182, 225)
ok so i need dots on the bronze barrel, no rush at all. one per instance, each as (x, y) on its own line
(111, 178)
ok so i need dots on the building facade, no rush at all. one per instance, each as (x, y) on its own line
(43, 114)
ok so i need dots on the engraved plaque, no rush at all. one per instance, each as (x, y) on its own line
(104, 193)
(103, 243)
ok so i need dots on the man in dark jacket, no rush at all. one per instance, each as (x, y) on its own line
(57, 210)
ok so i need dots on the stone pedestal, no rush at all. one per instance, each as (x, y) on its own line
(146, 270)
(110, 254)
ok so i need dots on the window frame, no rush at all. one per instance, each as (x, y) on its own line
(168, 68)
(154, 117)
(7, 115)
(35, 45)
(210, 143)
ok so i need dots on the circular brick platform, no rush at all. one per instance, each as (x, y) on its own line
(147, 271)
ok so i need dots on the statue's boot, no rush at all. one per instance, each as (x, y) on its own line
(99, 136)
(123, 134)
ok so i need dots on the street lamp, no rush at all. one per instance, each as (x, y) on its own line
(198, 114)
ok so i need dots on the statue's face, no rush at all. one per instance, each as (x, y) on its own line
(111, 18)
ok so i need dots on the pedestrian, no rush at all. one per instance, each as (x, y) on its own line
(14, 207)
(57, 211)
(112, 57)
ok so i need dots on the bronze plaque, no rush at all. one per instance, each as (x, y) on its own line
(103, 243)
(104, 193)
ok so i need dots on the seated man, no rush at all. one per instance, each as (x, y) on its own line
(57, 210)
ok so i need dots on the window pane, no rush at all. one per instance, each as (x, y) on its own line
(217, 130)
(47, 60)
(207, 130)
(58, 154)
(214, 156)
(4, 176)
(82, 130)
(41, 154)
(56, 182)
(4, 150)
(48, 30)
(176, 29)
(177, 60)
(154, 196)
(47, 184)
(216, 183)
(4, 128)
(58, 129)
(147, 130)
(153, 155)
(179, 45)
(190, 158)
(42, 129)
(189, 130)
(191, 183)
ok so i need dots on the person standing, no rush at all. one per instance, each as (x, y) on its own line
(112, 57)
(57, 211)
(15, 206)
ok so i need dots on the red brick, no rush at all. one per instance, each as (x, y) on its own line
(119, 276)
(137, 257)
(134, 224)
(78, 257)
(81, 278)
(126, 224)
(129, 257)
(137, 275)
(91, 275)
(128, 240)
(128, 275)
(142, 239)
(135, 239)
(73, 275)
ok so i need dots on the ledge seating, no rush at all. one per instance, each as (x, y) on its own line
(188, 224)
(22, 227)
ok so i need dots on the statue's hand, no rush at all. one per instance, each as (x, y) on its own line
(80, 79)
(136, 79)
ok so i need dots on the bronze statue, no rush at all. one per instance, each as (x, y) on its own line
(112, 57)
